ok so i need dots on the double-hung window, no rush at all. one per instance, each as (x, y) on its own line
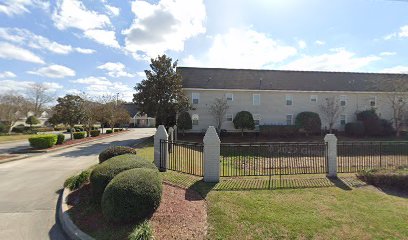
(256, 99)
(195, 119)
(343, 100)
(313, 98)
(289, 119)
(229, 117)
(289, 100)
(343, 120)
(229, 96)
(373, 101)
(195, 98)
(257, 119)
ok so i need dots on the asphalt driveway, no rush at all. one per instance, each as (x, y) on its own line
(29, 188)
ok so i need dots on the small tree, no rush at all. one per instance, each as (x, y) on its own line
(331, 111)
(184, 121)
(244, 120)
(12, 107)
(309, 122)
(32, 120)
(218, 110)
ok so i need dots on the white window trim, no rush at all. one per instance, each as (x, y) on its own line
(314, 96)
(197, 95)
(253, 99)
(229, 114)
(257, 117)
(287, 98)
(291, 119)
(345, 119)
(375, 101)
(232, 97)
(343, 97)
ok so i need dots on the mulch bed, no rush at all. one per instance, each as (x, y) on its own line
(182, 215)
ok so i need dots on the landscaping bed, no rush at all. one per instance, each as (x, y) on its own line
(396, 178)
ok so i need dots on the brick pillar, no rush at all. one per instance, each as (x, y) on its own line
(211, 156)
(331, 141)
(161, 134)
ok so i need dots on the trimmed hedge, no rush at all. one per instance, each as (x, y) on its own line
(94, 133)
(79, 135)
(115, 151)
(78, 180)
(309, 122)
(108, 131)
(43, 141)
(279, 130)
(60, 138)
(106, 171)
(355, 129)
(132, 195)
(395, 178)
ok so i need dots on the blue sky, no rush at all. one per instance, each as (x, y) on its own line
(102, 46)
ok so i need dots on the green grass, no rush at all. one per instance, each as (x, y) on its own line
(16, 137)
(146, 149)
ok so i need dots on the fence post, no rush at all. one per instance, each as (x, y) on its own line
(175, 132)
(161, 134)
(171, 138)
(331, 141)
(211, 155)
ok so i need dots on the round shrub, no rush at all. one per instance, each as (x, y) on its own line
(106, 171)
(309, 122)
(60, 138)
(115, 151)
(244, 120)
(116, 130)
(94, 133)
(79, 135)
(108, 131)
(355, 129)
(43, 141)
(132, 195)
(3, 128)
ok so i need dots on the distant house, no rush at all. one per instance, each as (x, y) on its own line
(136, 118)
(275, 97)
(43, 118)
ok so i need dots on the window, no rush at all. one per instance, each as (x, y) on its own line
(229, 117)
(313, 98)
(289, 119)
(229, 96)
(373, 101)
(196, 98)
(343, 100)
(289, 100)
(342, 120)
(195, 119)
(256, 99)
(257, 119)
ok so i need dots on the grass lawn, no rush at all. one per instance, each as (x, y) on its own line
(17, 137)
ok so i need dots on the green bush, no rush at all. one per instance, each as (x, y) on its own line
(374, 125)
(279, 130)
(116, 130)
(106, 171)
(132, 195)
(79, 135)
(60, 138)
(78, 180)
(43, 141)
(3, 128)
(142, 231)
(184, 122)
(391, 178)
(309, 122)
(355, 129)
(115, 151)
(244, 120)
(94, 133)
(108, 131)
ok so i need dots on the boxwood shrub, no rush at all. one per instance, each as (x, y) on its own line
(43, 141)
(132, 195)
(94, 133)
(115, 151)
(355, 129)
(79, 135)
(106, 171)
(60, 138)
(108, 131)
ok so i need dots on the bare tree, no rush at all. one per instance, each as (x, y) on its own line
(218, 109)
(331, 111)
(38, 94)
(12, 108)
(91, 109)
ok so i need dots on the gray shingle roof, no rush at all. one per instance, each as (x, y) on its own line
(220, 78)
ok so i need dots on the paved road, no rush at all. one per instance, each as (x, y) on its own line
(29, 188)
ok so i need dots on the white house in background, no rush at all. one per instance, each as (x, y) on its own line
(137, 119)
(43, 118)
(275, 97)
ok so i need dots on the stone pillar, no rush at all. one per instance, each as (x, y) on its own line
(161, 134)
(331, 141)
(175, 132)
(211, 156)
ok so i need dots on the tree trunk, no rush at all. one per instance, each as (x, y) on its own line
(242, 132)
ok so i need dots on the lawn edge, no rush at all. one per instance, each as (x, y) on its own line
(65, 222)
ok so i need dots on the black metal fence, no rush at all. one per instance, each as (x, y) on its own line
(185, 157)
(360, 155)
(267, 159)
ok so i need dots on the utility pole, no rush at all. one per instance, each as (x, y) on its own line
(117, 99)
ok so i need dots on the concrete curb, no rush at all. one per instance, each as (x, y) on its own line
(70, 229)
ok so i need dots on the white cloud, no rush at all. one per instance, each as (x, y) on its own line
(242, 48)
(93, 81)
(396, 69)
(17, 7)
(163, 26)
(320, 43)
(302, 44)
(54, 71)
(7, 74)
(114, 11)
(403, 33)
(10, 51)
(27, 38)
(388, 53)
(22, 86)
(116, 69)
(85, 50)
(104, 37)
(338, 59)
